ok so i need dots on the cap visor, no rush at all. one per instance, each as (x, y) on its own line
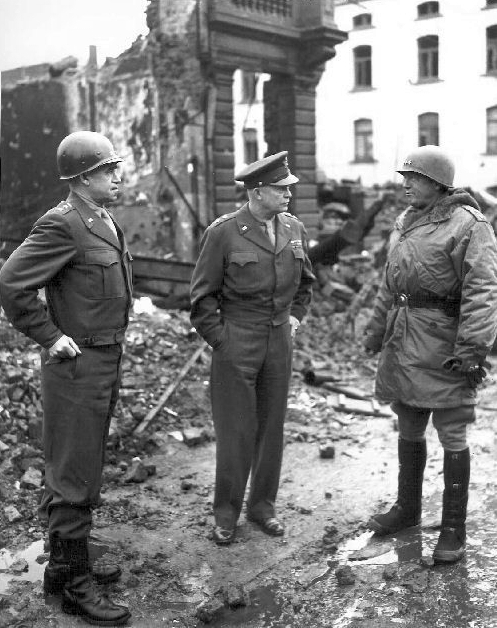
(289, 180)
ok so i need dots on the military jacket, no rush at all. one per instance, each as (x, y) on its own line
(448, 251)
(84, 268)
(241, 276)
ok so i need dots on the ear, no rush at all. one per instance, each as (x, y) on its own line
(84, 179)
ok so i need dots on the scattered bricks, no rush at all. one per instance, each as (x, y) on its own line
(194, 436)
(345, 575)
(327, 451)
(16, 394)
(13, 375)
(426, 561)
(3, 447)
(19, 566)
(12, 514)
(151, 469)
(187, 485)
(32, 479)
(390, 572)
(209, 610)
(235, 595)
(138, 567)
(303, 510)
(137, 473)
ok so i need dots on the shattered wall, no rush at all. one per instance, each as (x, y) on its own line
(35, 117)
(176, 70)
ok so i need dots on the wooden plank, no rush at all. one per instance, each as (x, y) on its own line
(156, 269)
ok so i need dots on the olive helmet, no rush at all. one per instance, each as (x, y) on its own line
(84, 151)
(432, 162)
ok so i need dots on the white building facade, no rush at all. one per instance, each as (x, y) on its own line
(411, 73)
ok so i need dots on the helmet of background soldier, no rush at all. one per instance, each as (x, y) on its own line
(432, 162)
(335, 209)
(84, 151)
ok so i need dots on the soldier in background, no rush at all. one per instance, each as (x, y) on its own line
(250, 289)
(78, 254)
(434, 323)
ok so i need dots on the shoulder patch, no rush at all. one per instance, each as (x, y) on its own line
(475, 213)
(222, 219)
(64, 207)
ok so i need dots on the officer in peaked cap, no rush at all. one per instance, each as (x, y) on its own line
(250, 289)
(78, 253)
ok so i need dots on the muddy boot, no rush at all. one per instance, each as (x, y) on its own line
(451, 545)
(80, 596)
(57, 571)
(406, 511)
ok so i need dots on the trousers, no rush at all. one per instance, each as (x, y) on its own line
(250, 377)
(79, 395)
(450, 423)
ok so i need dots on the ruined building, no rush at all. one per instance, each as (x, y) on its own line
(167, 105)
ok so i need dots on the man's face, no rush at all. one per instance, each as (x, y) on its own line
(274, 199)
(420, 191)
(103, 184)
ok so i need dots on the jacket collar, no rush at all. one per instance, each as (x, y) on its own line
(441, 210)
(94, 223)
(250, 228)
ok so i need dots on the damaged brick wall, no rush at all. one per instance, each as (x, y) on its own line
(180, 91)
(34, 120)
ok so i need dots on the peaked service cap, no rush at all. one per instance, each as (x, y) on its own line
(272, 170)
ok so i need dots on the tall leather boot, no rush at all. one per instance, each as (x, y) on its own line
(451, 545)
(57, 572)
(406, 511)
(80, 597)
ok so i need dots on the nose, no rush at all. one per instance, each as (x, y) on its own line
(116, 177)
(288, 194)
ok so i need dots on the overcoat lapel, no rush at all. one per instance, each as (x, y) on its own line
(93, 222)
(250, 229)
(283, 232)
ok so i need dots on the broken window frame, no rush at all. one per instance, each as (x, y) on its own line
(428, 58)
(491, 49)
(363, 74)
(492, 130)
(428, 128)
(363, 140)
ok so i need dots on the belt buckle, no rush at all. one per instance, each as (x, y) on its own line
(402, 300)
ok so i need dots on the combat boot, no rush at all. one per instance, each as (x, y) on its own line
(451, 545)
(57, 571)
(406, 511)
(79, 596)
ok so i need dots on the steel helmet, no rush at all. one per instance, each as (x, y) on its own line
(84, 151)
(432, 162)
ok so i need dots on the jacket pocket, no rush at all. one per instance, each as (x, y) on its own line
(104, 275)
(241, 258)
(428, 280)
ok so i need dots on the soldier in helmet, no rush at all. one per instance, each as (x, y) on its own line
(250, 289)
(77, 252)
(433, 324)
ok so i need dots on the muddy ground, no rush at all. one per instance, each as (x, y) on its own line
(155, 520)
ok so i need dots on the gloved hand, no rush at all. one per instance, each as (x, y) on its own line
(475, 373)
(372, 343)
(294, 324)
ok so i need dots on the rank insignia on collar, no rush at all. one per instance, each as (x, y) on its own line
(296, 244)
(244, 227)
(90, 220)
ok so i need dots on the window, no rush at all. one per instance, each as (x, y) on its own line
(491, 3)
(362, 21)
(249, 85)
(492, 49)
(363, 137)
(428, 129)
(428, 9)
(492, 131)
(428, 57)
(250, 146)
(362, 66)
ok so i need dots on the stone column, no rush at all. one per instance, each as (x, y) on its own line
(290, 124)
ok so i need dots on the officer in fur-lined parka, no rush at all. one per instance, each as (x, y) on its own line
(434, 323)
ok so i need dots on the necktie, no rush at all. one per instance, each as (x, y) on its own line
(108, 221)
(269, 225)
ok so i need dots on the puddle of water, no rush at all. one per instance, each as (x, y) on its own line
(263, 609)
(35, 571)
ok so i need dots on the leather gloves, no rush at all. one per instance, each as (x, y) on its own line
(475, 373)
